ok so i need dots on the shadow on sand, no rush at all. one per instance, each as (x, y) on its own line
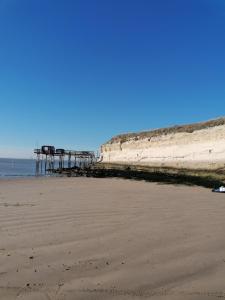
(160, 177)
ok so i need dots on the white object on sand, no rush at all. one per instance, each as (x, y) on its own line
(221, 189)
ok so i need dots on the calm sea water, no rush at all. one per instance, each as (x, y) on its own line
(10, 168)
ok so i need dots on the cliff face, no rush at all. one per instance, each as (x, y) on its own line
(196, 146)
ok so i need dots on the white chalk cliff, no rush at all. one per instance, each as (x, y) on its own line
(196, 146)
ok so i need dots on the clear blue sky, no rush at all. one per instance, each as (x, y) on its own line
(73, 73)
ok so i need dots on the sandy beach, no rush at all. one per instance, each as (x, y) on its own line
(85, 238)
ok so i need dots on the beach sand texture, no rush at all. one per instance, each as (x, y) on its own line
(86, 239)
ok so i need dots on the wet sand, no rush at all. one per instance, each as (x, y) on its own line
(86, 239)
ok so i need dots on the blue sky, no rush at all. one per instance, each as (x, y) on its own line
(74, 73)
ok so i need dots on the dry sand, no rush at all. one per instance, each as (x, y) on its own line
(82, 238)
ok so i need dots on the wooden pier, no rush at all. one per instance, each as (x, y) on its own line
(86, 163)
(51, 160)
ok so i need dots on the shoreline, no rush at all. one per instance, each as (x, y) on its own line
(167, 175)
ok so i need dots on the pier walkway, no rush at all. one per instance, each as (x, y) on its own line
(55, 160)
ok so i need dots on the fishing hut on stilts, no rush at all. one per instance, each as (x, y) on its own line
(50, 160)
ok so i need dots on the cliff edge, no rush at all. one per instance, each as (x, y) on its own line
(199, 146)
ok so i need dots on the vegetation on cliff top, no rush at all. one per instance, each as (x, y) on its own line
(189, 128)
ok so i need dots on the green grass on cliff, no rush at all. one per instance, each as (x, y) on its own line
(164, 131)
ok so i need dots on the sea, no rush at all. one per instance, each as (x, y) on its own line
(14, 167)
